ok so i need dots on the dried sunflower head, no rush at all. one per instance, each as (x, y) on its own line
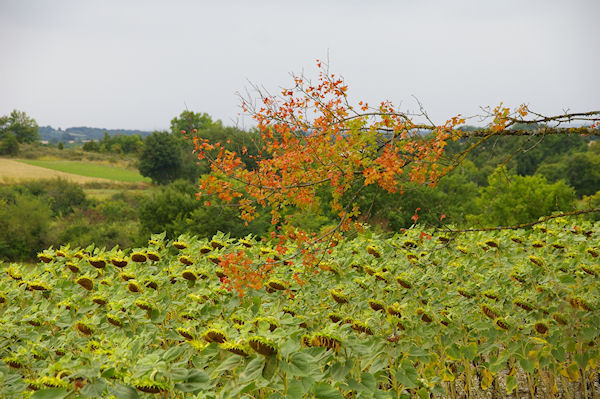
(263, 346)
(139, 257)
(237, 349)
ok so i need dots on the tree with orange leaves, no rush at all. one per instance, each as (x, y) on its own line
(313, 136)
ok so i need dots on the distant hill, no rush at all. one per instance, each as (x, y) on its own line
(83, 133)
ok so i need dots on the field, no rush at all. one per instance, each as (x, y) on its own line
(88, 169)
(15, 171)
(481, 315)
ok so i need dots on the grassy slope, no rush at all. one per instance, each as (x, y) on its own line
(90, 170)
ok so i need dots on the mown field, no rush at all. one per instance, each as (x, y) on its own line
(89, 169)
(481, 315)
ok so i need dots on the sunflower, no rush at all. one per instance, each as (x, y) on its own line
(185, 333)
(97, 262)
(326, 340)
(84, 328)
(214, 335)
(277, 284)
(118, 262)
(339, 296)
(186, 260)
(153, 256)
(489, 311)
(361, 327)
(133, 286)
(139, 257)
(376, 305)
(263, 346)
(73, 267)
(53, 382)
(189, 275)
(150, 386)
(85, 282)
(114, 320)
(217, 244)
(180, 245)
(237, 349)
(372, 250)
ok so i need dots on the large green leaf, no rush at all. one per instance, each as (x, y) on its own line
(323, 390)
(407, 374)
(50, 393)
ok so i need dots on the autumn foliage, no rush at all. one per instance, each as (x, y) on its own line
(313, 135)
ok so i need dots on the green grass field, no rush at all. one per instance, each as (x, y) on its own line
(90, 170)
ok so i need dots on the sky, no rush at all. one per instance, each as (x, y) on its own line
(136, 64)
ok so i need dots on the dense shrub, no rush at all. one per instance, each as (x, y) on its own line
(24, 223)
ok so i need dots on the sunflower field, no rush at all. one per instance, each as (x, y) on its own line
(477, 315)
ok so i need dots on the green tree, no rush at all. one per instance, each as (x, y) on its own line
(161, 158)
(583, 173)
(9, 145)
(188, 121)
(176, 210)
(23, 127)
(511, 199)
(24, 223)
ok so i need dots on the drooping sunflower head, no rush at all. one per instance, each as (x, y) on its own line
(98, 262)
(374, 251)
(362, 327)
(536, 260)
(85, 282)
(114, 320)
(118, 261)
(236, 348)
(217, 244)
(144, 305)
(139, 257)
(277, 284)
(99, 300)
(326, 340)
(186, 260)
(180, 245)
(84, 328)
(262, 345)
(45, 257)
(150, 386)
(377, 305)
(541, 327)
(53, 382)
(185, 333)
(502, 323)
(339, 296)
(153, 256)
(214, 335)
(189, 274)
(133, 286)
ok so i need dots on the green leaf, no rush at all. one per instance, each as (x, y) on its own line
(322, 390)
(123, 392)
(229, 364)
(296, 390)
(338, 371)
(368, 380)
(196, 380)
(528, 365)
(253, 370)
(94, 389)
(511, 383)
(301, 364)
(270, 367)
(50, 393)
(407, 374)
(173, 353)
(470, 351)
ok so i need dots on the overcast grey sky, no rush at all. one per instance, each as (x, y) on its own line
(137, 64)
